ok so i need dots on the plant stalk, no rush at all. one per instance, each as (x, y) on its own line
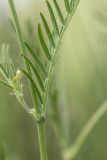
(72, 151)
(40, 125)
(22, 49)
(69, 17)
(42, 140)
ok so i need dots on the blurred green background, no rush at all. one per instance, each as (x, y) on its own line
(81, 79)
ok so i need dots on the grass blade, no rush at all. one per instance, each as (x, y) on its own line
(59, 12)
(47, 29)
(36, 58)
(36, 73)
(3, 71)
(34, 85)
(42, 41)
(67, 5)
(55, 26)
(5, 84)
(71, 5)
(12, 68)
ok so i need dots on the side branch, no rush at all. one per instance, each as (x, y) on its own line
(72, 152)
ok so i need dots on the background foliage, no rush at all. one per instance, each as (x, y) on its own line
(80, 80)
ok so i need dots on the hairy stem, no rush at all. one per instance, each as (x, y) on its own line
(42, 140)
(72, 152)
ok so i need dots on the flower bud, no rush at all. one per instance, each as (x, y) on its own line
(19, 74)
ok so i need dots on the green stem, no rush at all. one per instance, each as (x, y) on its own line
(17, 26)
(41, 126)
(42, 140)
(23, 50)
(51, 64)
(72, 152)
